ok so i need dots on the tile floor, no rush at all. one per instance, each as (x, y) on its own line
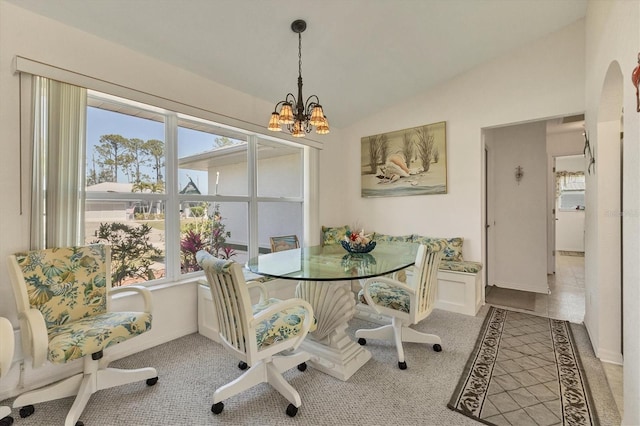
(566, 301)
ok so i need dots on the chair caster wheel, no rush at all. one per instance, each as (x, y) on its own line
(243, 365)
(79, 423)
(437, 348)
(362, 341)
(217, 408)
(402, 365)
(27, 410)
(6, 421)
(152, 381)
(292, 410)
(302, 367)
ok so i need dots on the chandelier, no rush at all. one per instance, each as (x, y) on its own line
(299, 117)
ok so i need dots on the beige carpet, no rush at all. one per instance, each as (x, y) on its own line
(191, 367)
(511, 298)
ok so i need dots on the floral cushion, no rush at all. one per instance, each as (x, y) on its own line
(451, 247)
(464, 266)
(393, 238)
(93, 334)
(333, 235)
(69, 287)
(387, 296)
(281, 326)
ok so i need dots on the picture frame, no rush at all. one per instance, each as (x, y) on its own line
(386, 172)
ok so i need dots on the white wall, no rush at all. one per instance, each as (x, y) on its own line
(517, 88)
(613, 38)
(519, 240)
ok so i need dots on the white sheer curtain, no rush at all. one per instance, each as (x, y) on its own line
(59, 128)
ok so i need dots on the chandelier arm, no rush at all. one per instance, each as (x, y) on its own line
(290, 98)
(309, 104)
(275, 108)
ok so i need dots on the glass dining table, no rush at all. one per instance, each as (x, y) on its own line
(323, 276)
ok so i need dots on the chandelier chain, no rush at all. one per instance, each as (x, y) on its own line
(300, 54)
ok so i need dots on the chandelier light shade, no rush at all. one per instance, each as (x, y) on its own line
(296, 116)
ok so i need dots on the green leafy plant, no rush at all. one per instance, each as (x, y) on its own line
(132, 254)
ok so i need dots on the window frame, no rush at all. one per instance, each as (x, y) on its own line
(171, 198)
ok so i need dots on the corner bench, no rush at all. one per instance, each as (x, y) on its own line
(460, 286)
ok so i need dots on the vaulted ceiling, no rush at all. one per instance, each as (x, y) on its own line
(358, 56)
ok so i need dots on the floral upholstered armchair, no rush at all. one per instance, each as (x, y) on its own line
(63, 297)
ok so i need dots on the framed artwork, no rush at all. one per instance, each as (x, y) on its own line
(405, 162)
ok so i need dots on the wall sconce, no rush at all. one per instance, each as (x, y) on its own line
(519, 174)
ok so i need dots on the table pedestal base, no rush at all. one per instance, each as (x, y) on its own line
(336, 355)
(332, 350)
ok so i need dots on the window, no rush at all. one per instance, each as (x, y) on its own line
(571, 190)
(160, 185)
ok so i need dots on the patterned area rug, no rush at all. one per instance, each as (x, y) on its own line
(524, 370)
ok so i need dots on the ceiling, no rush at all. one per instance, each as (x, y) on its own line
(358, 56)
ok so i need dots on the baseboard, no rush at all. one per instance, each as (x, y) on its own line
(611, 357)
(523, 287)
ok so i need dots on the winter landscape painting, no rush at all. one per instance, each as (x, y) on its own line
(405, 162)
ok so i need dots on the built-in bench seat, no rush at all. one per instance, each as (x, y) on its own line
(460, 266)
(460, 286)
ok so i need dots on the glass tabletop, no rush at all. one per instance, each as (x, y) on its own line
(332, 263)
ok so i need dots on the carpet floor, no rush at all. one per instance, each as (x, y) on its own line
(191, 367)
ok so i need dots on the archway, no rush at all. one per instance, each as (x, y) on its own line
(609, 164)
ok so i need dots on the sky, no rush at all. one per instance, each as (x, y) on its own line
(103, 122)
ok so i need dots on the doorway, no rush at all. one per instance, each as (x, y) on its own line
(566, 285)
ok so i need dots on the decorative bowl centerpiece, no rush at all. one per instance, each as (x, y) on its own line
(357, 242)
(358, 248)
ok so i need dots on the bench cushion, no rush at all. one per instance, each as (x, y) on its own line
(393, 238)
(460, 266)
(451, 247)
(333, 235)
